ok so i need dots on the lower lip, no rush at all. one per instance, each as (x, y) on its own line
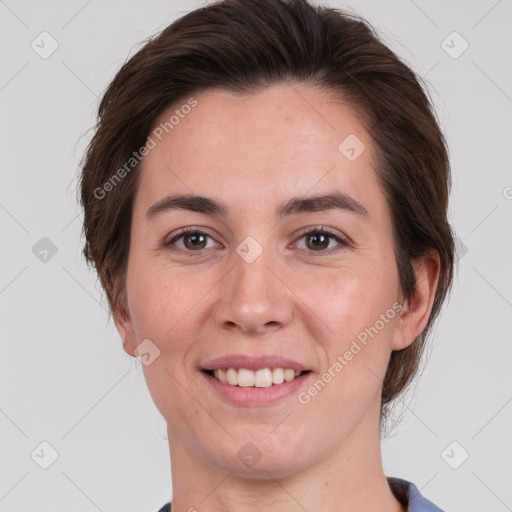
(256, 396)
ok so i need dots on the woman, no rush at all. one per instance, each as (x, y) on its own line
(265, 202)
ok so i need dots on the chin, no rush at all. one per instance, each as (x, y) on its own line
(261, 455)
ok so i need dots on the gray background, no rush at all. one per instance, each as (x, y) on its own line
(64, 378)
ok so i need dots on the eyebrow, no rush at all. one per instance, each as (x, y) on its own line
(295, 205)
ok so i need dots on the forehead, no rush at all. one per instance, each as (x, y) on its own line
(283, 139)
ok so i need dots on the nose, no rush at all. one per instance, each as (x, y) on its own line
(254, 298)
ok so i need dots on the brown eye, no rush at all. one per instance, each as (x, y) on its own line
(188, 241)
(317, 241)
(194, 241)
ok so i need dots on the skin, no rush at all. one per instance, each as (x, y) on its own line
(254, 152)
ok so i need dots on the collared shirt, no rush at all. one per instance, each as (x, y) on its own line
(409, 495)
(405, 492)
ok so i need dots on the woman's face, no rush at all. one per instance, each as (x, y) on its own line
(250, 289)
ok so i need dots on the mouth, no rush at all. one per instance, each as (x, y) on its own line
(260, 378)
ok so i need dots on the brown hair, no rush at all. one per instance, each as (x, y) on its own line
(243, 46)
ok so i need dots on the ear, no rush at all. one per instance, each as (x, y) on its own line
(124, 324)
(416, 311)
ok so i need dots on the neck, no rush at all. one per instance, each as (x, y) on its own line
(351, 479)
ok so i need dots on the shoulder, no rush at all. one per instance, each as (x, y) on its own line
(166, 508)
(408, 494)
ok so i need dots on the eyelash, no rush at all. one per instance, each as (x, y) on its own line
(317, 230)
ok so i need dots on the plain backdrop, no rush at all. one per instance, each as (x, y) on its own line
(65, 380)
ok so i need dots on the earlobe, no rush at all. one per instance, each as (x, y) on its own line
(416, 311)
(121, 314)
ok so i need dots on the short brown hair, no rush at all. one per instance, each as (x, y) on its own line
(243, 46)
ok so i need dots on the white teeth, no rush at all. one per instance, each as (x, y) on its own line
(221, 375)
(232, 376)
(289, 375)
(263, 378)
(245, 378)
(277, 375)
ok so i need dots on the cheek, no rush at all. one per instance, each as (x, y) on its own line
(161, 297)
(164, 308)
(359, 310)
(351, 297)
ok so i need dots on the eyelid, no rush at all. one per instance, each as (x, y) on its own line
(184, 231)
(343, 241)
(169, 240)
(320, 228)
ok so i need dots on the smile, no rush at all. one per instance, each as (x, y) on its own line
(262, 378)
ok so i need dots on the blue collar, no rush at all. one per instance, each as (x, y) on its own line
(417, 502)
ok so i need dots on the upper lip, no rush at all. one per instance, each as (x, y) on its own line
(253, 362)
